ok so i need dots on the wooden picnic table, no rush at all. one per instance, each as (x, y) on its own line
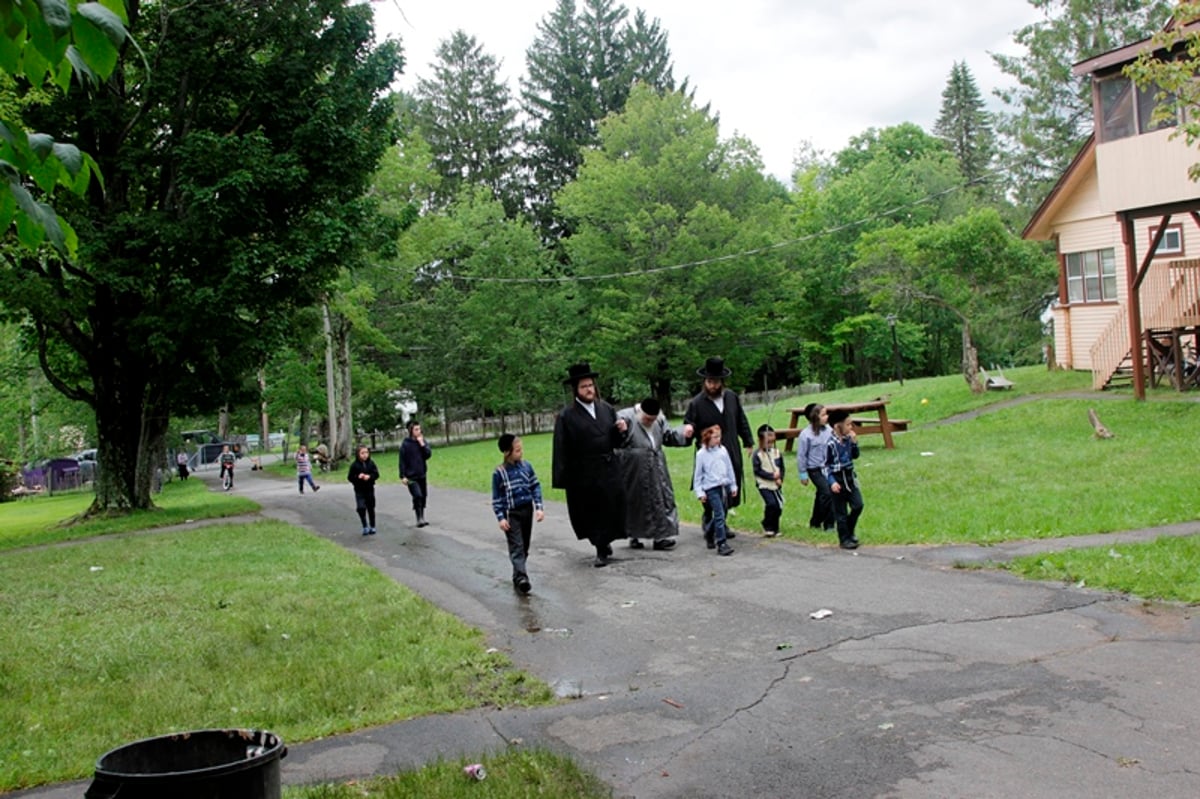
(869, 417)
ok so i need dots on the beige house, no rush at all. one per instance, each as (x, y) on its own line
(1125, 219)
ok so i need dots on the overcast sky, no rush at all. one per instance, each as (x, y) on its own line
(779, 72)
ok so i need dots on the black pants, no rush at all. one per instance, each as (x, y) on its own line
(822, 512)
(364, 504)
(772, 508)
(847, 505)
(419, 492)
(519, 533)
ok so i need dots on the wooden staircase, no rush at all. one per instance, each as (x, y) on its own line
(1170, 297)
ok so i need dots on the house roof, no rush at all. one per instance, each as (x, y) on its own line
(1080, 167)
(1123, 55)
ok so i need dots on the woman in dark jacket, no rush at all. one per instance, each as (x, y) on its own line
(363, 475)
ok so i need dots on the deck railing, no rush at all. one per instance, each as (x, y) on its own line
(1170, 298)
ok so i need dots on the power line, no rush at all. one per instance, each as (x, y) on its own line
(719, 258)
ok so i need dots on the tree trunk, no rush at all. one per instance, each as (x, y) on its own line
(264, 440)
(152, 446)
(305, 424)
(330, 384)
(119, 397)
(970, 361)
(345, 417)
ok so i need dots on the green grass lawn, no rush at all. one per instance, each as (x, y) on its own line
(256, 625)
(46, 519)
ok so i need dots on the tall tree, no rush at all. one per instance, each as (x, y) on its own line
(965, 125)
(672, 227)
(234, 170)
(992, 282)
(580, 68)
(1051, 109)
(465, 114)
(898, 176)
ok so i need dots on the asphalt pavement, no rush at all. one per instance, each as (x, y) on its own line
(786, 670)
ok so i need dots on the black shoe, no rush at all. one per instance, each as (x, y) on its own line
(422, 523)
(316, 489)
(636, 544)
(724, 549)
(607, 551)
(848, 543)
(600, 562)
(523, 585)
(730, 535)
(666, 543)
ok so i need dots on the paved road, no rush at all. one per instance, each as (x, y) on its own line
(698, 676)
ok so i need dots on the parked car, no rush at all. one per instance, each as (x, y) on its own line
(87, 464)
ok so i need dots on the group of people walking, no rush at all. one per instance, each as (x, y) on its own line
(611, 465)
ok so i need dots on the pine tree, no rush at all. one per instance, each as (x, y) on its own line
(581, 68)
(965, 125)
(465, 114)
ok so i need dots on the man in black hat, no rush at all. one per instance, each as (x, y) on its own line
(585, 435)
(717, 405)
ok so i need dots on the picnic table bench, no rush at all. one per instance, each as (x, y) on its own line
(869, 418)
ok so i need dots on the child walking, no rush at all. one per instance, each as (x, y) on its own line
(304, 469)
(767, 464)
(714, 483)
(516, 501)
(363, 474)
(843, 483)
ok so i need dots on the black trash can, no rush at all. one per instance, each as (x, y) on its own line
(205, 764)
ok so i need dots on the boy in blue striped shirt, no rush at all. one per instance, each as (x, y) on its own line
(516, 501)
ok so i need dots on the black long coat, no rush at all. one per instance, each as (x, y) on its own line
(585, 467)
(702, 413)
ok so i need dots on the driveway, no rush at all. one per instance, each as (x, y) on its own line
(691, 675)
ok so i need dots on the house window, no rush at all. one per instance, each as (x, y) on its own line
(1126, 110)
(1116, 108)
(1092, 276)
(1172, 240)
(1147, 100)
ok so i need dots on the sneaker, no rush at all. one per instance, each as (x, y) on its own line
(709, 542)
(316, 489)
(666, 543)
(849, 543)
(730, 535)
(523, 585)
(636, 544)
(372, 529)
(770, 533)
(724, 549)
(366, 531)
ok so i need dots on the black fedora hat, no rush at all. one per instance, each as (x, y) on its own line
(578, 371)
(714, 367)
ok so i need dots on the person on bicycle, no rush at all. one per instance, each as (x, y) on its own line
(226, 459)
